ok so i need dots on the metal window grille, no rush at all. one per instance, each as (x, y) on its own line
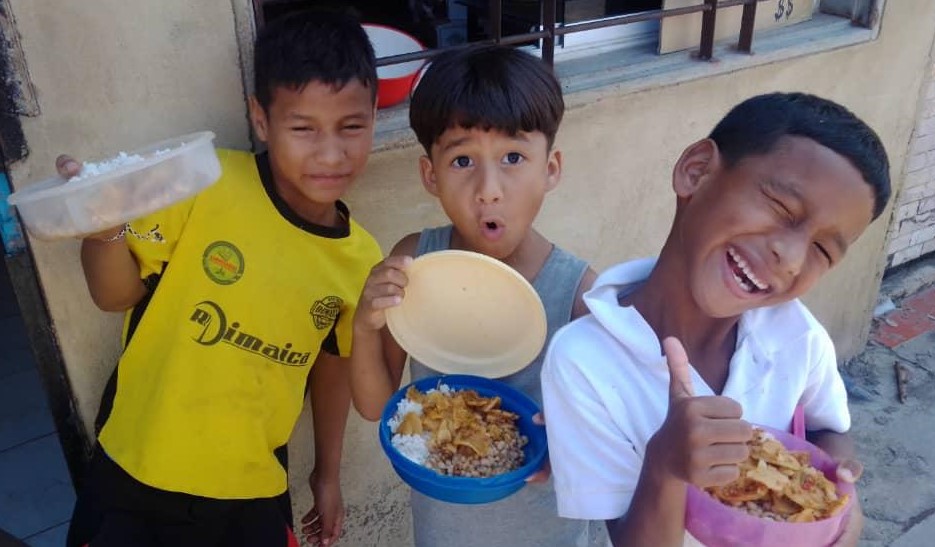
(549, 29)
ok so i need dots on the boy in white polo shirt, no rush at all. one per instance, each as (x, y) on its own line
(767, 204)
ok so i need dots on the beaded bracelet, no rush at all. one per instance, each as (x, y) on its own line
(116, 237)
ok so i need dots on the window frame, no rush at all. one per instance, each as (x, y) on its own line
(863, 13)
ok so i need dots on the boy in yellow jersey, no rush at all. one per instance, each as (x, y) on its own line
(235, 301)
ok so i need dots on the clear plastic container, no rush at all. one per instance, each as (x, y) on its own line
(171, 171)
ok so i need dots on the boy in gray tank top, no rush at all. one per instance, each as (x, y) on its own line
(487, 118)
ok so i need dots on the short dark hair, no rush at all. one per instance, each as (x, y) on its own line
(756, 125)
(487, 87)
(327, 46)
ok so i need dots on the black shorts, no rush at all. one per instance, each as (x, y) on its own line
(115, 510)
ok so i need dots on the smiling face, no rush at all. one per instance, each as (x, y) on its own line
(491, 184)
(318, 138)
(765, 230)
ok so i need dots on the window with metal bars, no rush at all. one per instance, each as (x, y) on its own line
(550, 26)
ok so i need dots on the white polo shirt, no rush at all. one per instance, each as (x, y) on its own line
(605, 387)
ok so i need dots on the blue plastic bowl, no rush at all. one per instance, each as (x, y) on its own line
(469, 490)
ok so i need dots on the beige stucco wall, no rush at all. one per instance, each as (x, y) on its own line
(125, 72)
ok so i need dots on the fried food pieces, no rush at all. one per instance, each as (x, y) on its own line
(780, 485)
(468, 434)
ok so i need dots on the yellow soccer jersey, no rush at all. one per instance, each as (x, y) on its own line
(213, 378)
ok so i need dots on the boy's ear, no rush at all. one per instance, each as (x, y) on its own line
(696, 163)
(258, 119)
(427, 170)
(553, 170)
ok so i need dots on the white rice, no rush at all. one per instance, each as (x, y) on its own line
(414, 447)
(444, 388)
(91, 169)
(403, 407)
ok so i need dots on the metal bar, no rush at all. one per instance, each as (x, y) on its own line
(496, 20)
(747, 22)
(731, 3)
(705, 9)
(548, 25)
(521, 38)
(864, 13)
(415, 56)
(627, 19)
(708, 19)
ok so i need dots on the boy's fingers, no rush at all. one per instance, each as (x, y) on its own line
(538, 418)
(720, 407)
(720, 475)
(542, 474)
(392, 276)
(727, 453)
(385, 302)
(850, 470)
(335, 532)
(680, 379)
(398, 262)
(329, 534)
(67, 166)
(311, 516)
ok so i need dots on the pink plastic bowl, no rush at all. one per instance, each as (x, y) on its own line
(395, 82)
(717, 525)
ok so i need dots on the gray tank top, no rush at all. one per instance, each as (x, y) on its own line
(528, 518)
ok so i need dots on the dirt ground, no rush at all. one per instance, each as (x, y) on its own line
(896, 440)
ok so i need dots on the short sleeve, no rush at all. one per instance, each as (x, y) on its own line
(594, 466)
(330, 344)
(152, 239)
(825, 398)
(340, 339)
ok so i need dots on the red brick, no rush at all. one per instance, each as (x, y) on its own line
(913, 318)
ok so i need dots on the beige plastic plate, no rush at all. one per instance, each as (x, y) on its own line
(467, 313)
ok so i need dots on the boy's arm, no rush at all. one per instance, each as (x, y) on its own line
(377, 361)
(657, 510)
(598, 473)
(840, 446)
(112, 274)
(330, 400)
(700, 443)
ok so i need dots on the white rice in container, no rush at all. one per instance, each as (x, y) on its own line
(91, 169)
(413, 447)
(503, 455)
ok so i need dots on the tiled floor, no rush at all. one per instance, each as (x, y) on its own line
(36, 495)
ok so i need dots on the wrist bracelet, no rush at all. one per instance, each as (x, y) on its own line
(118, 236)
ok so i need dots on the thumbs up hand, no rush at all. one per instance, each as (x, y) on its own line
(703, 438)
